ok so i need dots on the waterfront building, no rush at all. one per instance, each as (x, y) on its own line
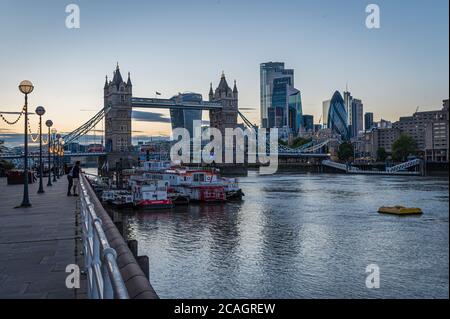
(369, 142)
(185, 117)
(429, 130)
(325, 110)
(433, 122)
(337, 116)
(270, 71)
(368, 121)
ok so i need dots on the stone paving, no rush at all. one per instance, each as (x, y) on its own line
(37, 243)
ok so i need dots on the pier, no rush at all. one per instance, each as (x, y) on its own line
(39, 242)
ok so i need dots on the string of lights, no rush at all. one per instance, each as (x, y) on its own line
(15, 121)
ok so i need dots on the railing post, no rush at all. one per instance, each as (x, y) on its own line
(103, 275)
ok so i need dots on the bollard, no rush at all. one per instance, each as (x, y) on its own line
(144, 263)
(119, 226)
(133, 245)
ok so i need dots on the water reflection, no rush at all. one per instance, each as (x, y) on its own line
(301, 236)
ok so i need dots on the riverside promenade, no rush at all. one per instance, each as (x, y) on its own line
(37, 243)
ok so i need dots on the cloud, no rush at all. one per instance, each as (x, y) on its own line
(149, 117)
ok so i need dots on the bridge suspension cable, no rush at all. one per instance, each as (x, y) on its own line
(86, 127)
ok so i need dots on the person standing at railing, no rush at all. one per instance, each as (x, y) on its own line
(73, 177)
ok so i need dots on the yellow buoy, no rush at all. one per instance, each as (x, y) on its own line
(400, 210)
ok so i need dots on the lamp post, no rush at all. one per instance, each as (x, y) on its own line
(49, 124)
(54, 154)
(40, 111)
(26, 87)
(58, 137)
(62, 157)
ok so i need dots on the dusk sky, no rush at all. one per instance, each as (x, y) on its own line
(176, 46)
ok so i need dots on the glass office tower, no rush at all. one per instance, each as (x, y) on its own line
(270, 71)
(368, 121)
(286, 107)
(185, 117)
(357, 117)
(337, 116)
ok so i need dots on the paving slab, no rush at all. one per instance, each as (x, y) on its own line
(37, 243)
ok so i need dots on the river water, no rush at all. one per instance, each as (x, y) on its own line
(302, 236)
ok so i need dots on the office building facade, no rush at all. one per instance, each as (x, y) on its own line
(286, 107)
(357, 122)
(325, 110)
(270, 71)
(368, 121)
(308, 123)
(337, 116)
(184, 117)
(430, 132)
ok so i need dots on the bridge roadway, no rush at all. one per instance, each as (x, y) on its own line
(37, 243)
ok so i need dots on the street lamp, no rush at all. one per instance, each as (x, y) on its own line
(62, 157)
(40, 111)
(54, 153)
(58, 137)
(49, 124)
(26, 87)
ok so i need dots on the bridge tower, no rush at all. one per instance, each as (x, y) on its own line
(117, 96)
(227, 117)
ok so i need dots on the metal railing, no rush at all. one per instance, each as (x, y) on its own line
(104, 280)
(405, 165)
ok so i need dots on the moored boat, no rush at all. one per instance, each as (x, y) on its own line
(149, 193)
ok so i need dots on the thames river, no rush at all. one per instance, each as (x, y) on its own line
(302, 236)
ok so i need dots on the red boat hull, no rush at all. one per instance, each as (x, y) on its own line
(154, 204)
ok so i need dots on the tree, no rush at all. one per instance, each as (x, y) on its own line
(403, 147)
(381, 154)
(345, 151)
(281, 142)
(299, 141)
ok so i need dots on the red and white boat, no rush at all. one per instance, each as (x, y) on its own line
(149, 194)
(191, 184)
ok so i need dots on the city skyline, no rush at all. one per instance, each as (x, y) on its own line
(406, 63)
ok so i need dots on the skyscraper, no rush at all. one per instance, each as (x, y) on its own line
(308, 123)
(357, 117)
(337, 116)
(348, 98)
(325, 110)
(286, 108)
(368, 121)
(185, 117)
(268, 73)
